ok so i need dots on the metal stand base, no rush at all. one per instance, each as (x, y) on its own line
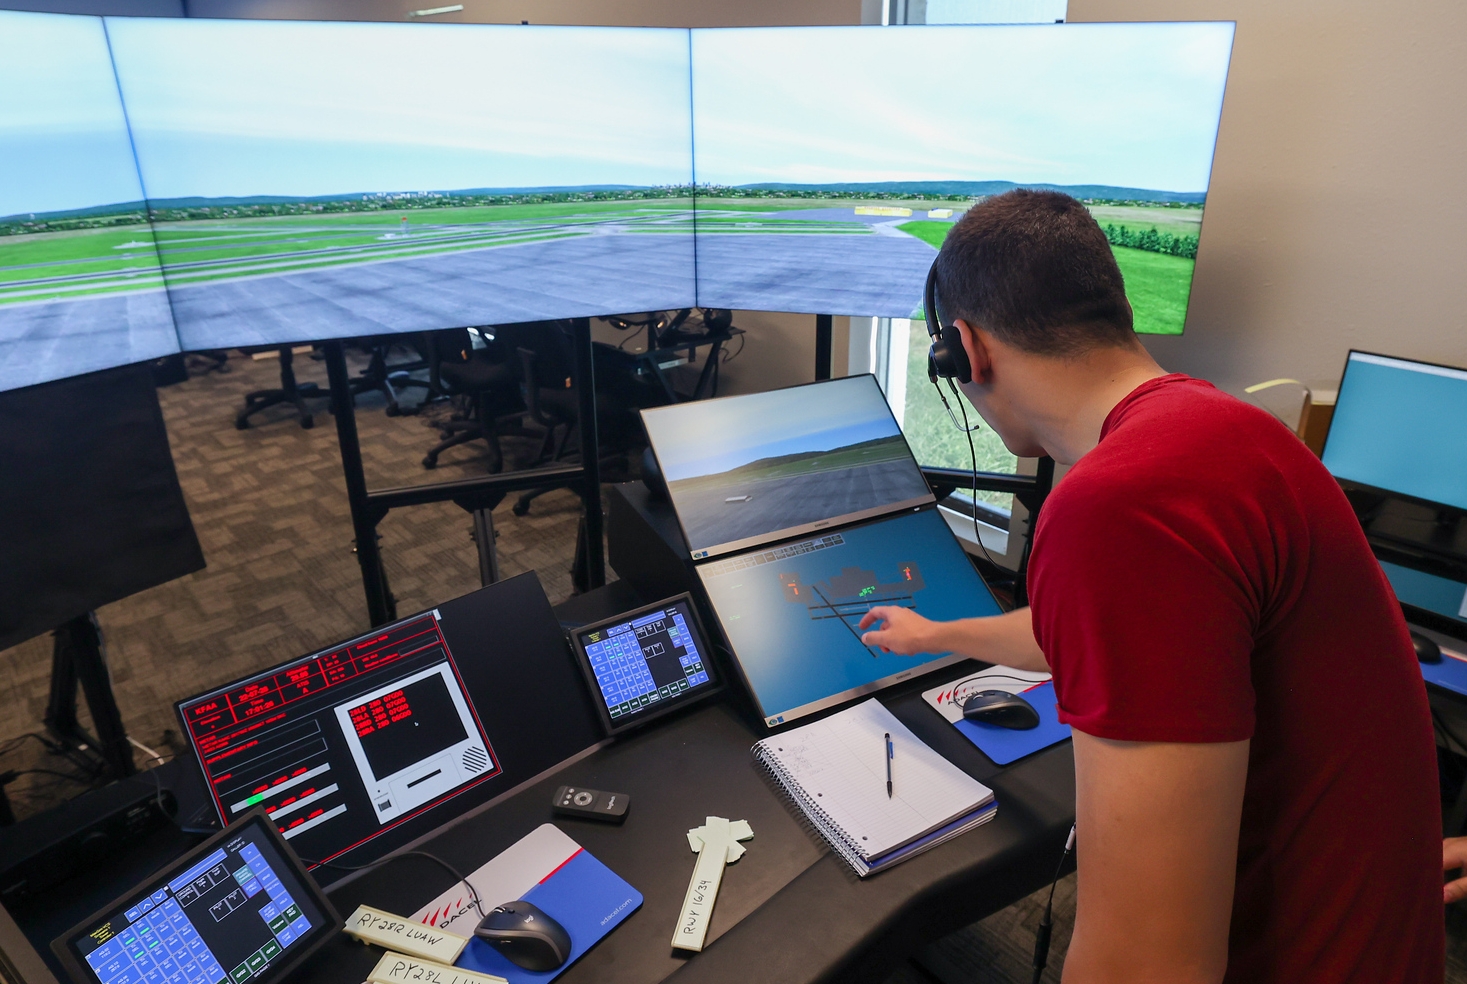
(78, 658)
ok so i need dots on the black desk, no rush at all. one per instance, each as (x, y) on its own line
(789, 911)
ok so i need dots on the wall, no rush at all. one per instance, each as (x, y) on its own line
(1335, 218)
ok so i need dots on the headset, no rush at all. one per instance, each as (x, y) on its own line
(946, 357)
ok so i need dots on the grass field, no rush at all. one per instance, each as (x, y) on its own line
(58, 265)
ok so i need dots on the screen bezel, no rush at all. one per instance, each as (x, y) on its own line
(1350, 483)
(780, 719)
(793, 532)
(616, 726)
(81, 973)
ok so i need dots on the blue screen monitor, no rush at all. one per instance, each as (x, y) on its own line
(1400, 427)
(789, 612)
(758, 467)
(80, 286)
(831, 162)
(319, 180)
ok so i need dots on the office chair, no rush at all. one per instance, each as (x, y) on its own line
(486, 382)
(289, 391)
(389, 378)
(546, 374)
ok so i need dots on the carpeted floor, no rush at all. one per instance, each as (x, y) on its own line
(269, 506)
(270, 509)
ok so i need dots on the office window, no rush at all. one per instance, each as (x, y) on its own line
(895, 350)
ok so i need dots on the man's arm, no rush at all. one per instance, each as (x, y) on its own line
(1006, 639)
(1454, 858)
(1158, 847)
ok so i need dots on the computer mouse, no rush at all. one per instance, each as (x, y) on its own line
(526, 936)
(1426, 649)
(1002, 709)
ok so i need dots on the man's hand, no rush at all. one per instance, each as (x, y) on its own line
(1006, 639)
(1454, 858)
(1158, 850)
(902, 631)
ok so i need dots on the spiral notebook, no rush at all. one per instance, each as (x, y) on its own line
(834, 772)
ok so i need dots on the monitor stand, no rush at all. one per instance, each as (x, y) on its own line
(78, 658)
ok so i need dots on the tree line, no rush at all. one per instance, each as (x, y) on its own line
(1152, 241)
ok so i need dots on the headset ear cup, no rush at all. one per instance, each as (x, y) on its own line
(954, 355)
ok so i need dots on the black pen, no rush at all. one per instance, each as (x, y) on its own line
(890, 754)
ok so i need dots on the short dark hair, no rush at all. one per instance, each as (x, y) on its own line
(1035, 270)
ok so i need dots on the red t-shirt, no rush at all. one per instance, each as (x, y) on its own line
(1200, 577)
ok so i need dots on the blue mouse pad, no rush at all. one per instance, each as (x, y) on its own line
(584, 896)
(1005, 745)
(1450, 673)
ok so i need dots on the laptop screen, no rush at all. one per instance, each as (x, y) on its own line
(790, 612)
(748, 470)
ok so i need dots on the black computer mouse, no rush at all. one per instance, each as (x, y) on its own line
(1000, 708)
(1426, 649)
(526, 936)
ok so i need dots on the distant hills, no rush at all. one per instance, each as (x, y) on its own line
(933, 189)
(971, 189)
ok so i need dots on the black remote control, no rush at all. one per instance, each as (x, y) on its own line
(591, 804)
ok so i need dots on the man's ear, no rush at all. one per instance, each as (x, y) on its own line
(977, 350)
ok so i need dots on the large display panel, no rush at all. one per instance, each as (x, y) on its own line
(1397, 427)
(373, 741)
(80, 287)
(754, 468)
(831, 162)
(316, 180)
(790, 612)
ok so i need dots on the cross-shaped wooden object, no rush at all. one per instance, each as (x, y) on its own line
(717, 844)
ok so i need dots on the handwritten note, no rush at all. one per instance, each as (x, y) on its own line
(405, 936)
(397, 968)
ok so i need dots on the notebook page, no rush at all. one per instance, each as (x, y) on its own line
(840, 764)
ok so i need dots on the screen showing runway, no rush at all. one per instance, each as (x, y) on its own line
(316, 180)
(80, 288)
(790, 612)
(830, 172)
(750, 469)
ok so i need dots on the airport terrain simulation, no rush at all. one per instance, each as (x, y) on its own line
(866, 249)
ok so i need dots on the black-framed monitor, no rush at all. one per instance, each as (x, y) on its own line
(647, 662)
(376, 740)
(1400, 427)
(752, 469)
(790, 612)
(239, 907)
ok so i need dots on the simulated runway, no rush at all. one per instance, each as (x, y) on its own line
(782, 503)
(577, 277)
(54, 339)
(876, 274)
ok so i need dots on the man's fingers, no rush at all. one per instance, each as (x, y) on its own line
(1453, 891)
(874, 615)
(875, 638)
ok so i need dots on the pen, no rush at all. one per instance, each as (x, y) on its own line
(890, 754)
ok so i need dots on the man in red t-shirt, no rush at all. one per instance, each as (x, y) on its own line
(1256, 788)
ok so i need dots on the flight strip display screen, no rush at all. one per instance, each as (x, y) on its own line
(791, 612)
(343, 744)
(235, 910)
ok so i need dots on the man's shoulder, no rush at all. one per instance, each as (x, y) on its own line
(1183, 447)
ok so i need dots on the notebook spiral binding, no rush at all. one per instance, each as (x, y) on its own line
(810, 815)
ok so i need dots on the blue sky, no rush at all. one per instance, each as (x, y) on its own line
(239, 108)
(63, 142)
(1134, 105)
(703, 438)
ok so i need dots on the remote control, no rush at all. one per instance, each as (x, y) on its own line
(591, 804)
